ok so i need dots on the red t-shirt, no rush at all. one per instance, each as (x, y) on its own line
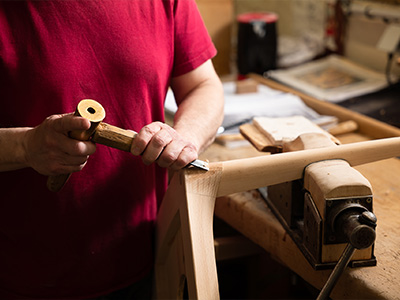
(96, 234)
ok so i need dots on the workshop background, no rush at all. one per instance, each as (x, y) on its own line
(300, 19)
(308, 30)
(313, 28)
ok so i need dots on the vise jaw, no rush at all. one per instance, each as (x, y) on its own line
(334, 192)
(322, 211)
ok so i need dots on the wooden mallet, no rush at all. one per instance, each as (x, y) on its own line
(95, 113)
(101, 133)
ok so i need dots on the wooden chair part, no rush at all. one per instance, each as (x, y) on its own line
(185, 244)
(185, 240)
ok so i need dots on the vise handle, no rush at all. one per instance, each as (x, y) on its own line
(360, 229)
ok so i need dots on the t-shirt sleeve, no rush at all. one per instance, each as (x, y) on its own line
(193, 44)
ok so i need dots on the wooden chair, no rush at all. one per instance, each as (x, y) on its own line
(185, 243)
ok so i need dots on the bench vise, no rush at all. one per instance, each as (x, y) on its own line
(329, 211)
(326, 210)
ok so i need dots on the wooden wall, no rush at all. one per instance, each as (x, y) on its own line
(218, 18)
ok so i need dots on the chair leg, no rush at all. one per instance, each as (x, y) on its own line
(185, 240)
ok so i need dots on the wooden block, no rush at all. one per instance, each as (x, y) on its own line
(261, 142)
(246, 86)
(287, 129)
(309, 141)
(343, 127)
(285, 134)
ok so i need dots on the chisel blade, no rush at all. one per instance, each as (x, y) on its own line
(200, 164)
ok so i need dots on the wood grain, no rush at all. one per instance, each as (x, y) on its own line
(185, 240)
(248, 213)
(114, 137)
(251, 173)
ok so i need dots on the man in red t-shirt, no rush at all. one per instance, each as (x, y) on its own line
(95, 236)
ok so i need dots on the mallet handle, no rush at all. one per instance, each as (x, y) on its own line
(95, 113)
(114, 137)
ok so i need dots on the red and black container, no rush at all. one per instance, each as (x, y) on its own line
(257, 42)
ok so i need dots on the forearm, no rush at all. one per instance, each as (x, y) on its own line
(200, 98)
(12, 152)
(200, 114)
(46, 148)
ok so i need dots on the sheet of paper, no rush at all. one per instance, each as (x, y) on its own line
(267, 102)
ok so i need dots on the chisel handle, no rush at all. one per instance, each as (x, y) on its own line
(122, 139)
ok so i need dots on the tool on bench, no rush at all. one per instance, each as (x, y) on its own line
(361, 234)
(102, 133)
(328, 212)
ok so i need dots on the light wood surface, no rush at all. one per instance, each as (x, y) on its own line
(114, 137)
(251, 173)
(185, 244)
(185, 240)
(286, 129)
(248, 213)
(344, 127)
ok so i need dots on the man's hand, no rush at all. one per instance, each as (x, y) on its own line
(199, 95)
(158, 142)
(50, 151)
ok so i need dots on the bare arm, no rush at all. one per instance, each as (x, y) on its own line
(12, 152)
(200, 100)
(45, 148)
(199, 96)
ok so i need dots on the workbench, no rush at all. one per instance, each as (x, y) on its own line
(248, 213)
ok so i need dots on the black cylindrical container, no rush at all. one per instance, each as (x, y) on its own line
(257, 42)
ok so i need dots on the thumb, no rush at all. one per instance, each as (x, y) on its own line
(69, 122)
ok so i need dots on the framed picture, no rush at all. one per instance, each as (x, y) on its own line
(333, 79)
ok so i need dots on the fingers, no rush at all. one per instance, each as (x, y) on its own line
(69, 122)
(65, 164)
(158, 142)
(50, 151)
(74, 147)
(152, 138)
(187, 155)
(58, 127)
